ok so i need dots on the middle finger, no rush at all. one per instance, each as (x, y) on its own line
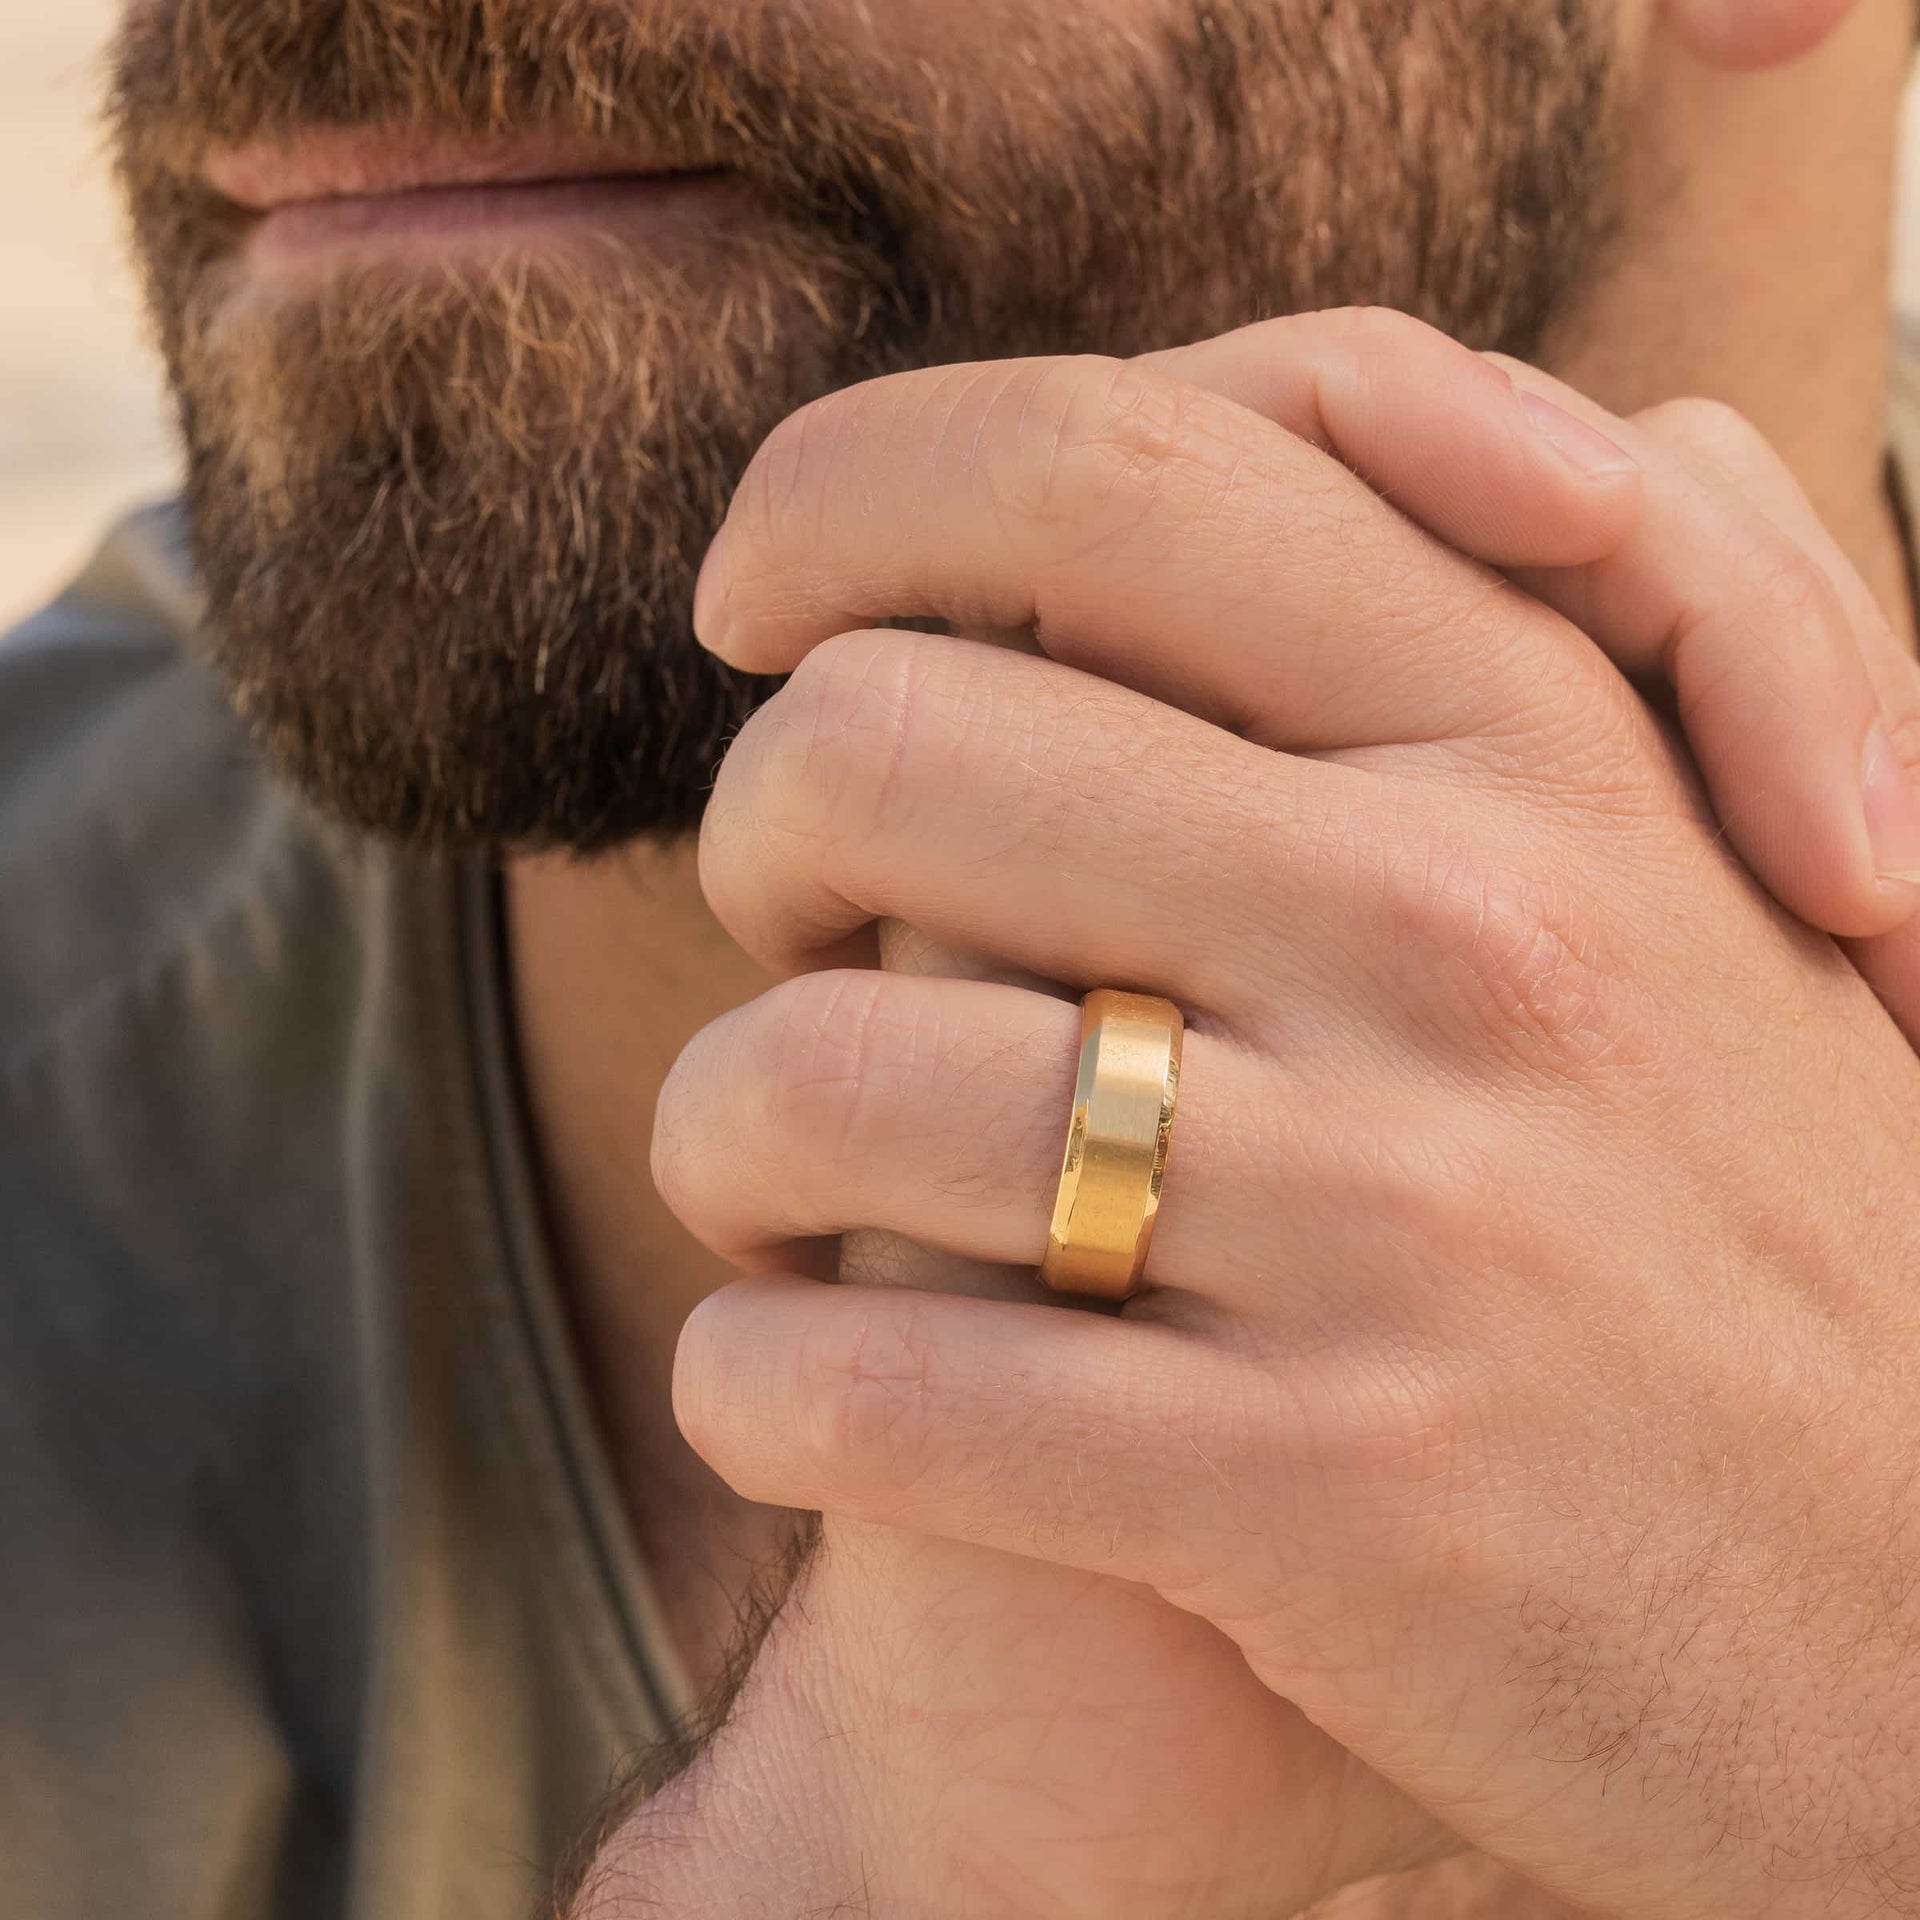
(1016, 809)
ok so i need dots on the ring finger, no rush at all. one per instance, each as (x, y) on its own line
(850, 1099)
(937, 1110)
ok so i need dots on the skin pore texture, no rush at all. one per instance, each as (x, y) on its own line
(1744, 236)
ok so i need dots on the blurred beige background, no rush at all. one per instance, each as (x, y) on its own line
(82, 426)
(82, 429)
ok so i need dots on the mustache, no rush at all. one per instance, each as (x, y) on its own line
(759, 93)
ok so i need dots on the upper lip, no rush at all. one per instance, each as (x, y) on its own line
(335, 163)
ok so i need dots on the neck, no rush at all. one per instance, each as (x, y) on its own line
(1753, 264)
(616, 964)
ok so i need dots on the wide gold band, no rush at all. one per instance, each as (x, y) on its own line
(1116, 1145)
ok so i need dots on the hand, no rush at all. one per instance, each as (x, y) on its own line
(1164, 1760)
(1505, 1060)
(909, 1747)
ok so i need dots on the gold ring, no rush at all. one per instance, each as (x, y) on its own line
(1116, 1144)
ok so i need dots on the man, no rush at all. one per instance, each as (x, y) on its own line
(1501, 1483)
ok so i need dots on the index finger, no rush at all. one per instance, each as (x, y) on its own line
(1146, 530)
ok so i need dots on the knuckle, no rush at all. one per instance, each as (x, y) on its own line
(1792, 586)
(866, 1412)
(769, 1115)
(1386, 328)
(1096, 442)
(1505, 957)
(1903, 731)
(778, 1095)
(1695, 423)
(1722, 447)
(828, 1056)
(1379, 338)
(817, 760)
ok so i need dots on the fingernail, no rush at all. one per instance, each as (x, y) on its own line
(1591, 455)
(1893, 809)
(709, 595)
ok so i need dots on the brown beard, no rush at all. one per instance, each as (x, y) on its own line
(448, 516)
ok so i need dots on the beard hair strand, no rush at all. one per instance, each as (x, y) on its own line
(449, 519)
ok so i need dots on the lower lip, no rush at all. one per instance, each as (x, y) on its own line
(627, 207)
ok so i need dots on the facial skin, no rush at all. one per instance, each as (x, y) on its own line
(450, 477)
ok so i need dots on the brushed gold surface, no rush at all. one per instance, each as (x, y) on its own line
(1117, 1139)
